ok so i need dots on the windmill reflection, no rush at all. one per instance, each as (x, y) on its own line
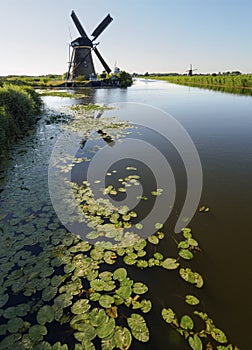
(105, 136)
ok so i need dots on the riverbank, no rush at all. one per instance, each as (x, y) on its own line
(19, 107)
(239, 84)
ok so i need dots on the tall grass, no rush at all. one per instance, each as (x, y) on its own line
(18, 108)
(230, 83)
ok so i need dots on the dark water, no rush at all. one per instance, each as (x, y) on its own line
(220, 126)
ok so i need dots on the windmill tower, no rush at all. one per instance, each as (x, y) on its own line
(190, 71)
(81, 62)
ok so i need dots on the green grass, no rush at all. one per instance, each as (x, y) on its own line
(241, 84)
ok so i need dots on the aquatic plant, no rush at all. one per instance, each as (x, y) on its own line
(84, 288)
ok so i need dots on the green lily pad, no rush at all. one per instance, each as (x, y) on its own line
(37, 332)
(3, 329)
(186, 322)
(142, 264)
(58, 346)
(120, 274)
(49, 293)
(22, 309)
(106, 275)
(146, 305)
(193, 242)
(106, 328)
(139, 288)
(122, 338)
(130, 259)
(97, 317)
(3, 299)
(139, 226)
(192, 300)
(192, 277)
(97, 285)
(168, 315)
(138, 327)
(195, 342)
(106, 301)
(110, 257)
(218, 335)
(15, 324)
(124, 291)
(79, 322)
(10, 312)
(184, 244)
(158, 256)
(170, 263)
(158, 226)
(80, 306)
(44, 345)
(10, 341)
(45, 314)
(88, 332)
(186, 254)
(153, 239)
(94, 296)
(63, 300)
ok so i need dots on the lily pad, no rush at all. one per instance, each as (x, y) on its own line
(170, 263)
(186, 254)
(88, 332)
(106, 328)
(3, 299)
(139, 288)
(15, 324)
(49, 293)
(153, 239)
(186, 322)
(195, 342)
(192, 277)
(122, 338)
(168, 315)
(106, 301)
(120, 274)
(97, 317)
(37, 332)
(138, 327)
(45, 314)
(146, 305)
(218, 335)
(124, 291)
(58, 346)
(192, 300)
(80, 306)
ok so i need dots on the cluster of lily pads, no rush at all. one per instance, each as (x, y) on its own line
(61, 292)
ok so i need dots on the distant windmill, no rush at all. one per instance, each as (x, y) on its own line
(81, 62)
(190, 71)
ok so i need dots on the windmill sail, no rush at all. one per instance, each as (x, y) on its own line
(102, 26)
(78, 25)
(106, 67)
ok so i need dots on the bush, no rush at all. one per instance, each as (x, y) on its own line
(18, 107)
(125, 79)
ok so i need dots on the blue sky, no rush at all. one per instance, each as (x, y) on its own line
(146, 35)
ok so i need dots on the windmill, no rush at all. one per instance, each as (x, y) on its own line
(190, 71)
(81, 62)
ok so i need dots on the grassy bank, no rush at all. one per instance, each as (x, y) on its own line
(228, 83)
(18, 108)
